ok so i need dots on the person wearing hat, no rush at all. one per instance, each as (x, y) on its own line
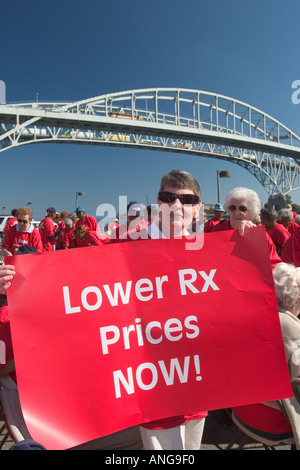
(135, 222)
(218, 211)
(87, 220)
(47, 230)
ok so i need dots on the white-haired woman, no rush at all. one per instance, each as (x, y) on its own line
(243, 206)
(282, 418)
(285, 217)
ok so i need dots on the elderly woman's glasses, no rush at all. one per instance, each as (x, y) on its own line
(240, 208)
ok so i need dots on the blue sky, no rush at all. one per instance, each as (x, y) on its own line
(72, 50)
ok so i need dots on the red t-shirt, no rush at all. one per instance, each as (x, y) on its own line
(69, 239)
(60, 230)
(134, 232)
(47, 231)
(291, 228)
(15, 238)
(123, 231)
(89, 222)
(10, 224)
(210, 224)
(278, 234)
(290, 252)
(91, 239)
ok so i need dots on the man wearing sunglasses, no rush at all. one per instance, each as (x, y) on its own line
(23, 233)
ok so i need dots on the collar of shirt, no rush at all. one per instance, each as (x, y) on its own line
(30, 229)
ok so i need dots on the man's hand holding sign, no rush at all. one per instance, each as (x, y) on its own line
(99, 349)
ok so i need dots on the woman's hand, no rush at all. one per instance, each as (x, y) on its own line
(7, 273)
(244, 226)
(4, 252)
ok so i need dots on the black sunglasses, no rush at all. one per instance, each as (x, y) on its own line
(20, 221)
(240, 208)
(165, 196)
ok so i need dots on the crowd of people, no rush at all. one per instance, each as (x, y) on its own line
(178, 215)
(66, 230)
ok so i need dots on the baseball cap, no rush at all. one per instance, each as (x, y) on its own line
(134, 209)
(219, 207)
(51, 210)
(80, 209)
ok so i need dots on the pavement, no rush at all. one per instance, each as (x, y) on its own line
(219, 431)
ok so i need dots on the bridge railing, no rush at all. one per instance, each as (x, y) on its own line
(180, 107)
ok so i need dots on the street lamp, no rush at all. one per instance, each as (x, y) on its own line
(221, 174)
(78, 194)
(3, 207)
(28, 204)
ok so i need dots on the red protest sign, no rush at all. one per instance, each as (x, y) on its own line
(112, 336)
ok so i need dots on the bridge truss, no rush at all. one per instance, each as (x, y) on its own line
(166, 119)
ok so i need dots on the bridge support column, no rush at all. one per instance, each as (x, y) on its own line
(276, 201)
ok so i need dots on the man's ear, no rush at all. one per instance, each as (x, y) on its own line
(196, 210)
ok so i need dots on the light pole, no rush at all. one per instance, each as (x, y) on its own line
(221, 174)
(78, 194)
(28, 204)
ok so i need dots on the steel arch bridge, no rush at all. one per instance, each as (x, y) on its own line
(166, 119)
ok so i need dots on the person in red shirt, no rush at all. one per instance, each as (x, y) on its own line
(68, 234)
(277, 232)
(290, 252)
(47, 230)
(23, 233)
(85, 237)
(87, 220)
(210, 224)
(135, 222)
(60, 230)
(285, 217)
(290, 208)
(11, 222)
(243, 205)
(112, 226)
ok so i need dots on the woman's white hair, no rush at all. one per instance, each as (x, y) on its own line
(254, 203)
(285, 213)
(287, 286)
